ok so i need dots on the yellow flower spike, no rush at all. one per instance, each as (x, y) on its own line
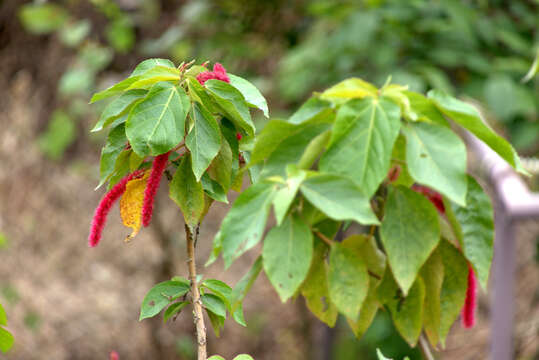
(131, 205)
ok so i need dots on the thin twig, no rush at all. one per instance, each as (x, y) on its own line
(324, 238)
(425, 348)
(197, 303)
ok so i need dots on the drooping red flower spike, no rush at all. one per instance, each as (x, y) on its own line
(468, 311)
(158, 167)
(103, 209)
(114, 355)
(218, 73)
(432, 195)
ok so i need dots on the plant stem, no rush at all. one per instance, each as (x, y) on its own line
(197, 303)
(425, 348)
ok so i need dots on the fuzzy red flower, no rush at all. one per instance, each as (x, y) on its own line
(103, 209)
(114, 355)
(432, 195)
(158, 168)
(218, 73)
(468, 311)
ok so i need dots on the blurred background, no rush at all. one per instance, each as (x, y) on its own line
(66, 301)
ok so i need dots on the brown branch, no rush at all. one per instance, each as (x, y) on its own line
(324, 238)
(195, 294)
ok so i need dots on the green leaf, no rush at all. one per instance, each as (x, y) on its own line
(381, 356)
(454, 287)
(406, 312)
(315, 287)
(121, 168)
(173, 309)
(198, 93)
(187, 192)
(243, 226)
(399, 157)
(220, 289)
(362, 141)
(116, 142)
(214, 304)
(409, 233)
(148, 64)
(204, 139)
(238, 315)
(314, 107)
(425, 109)
(251, 94)
(290, 147)
(161, 295)
(339, 198)
(243, 357)
(287, 255)
(216, 357)
(154, 75)
(6, 340)
(469, 118)
(368, 311)
(313, 150)
(217, 322)
(243, 286)
(213, 189)
(474, 228)
(353, 88)
(3, 317)
(157, 123)
(433, 275)
(436, 157)
(232, 103)
(42, 18)
(118, 107)
(286, 195)
(135, 76)
(221, 166)
(348, 281)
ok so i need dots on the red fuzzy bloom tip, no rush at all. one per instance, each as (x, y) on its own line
(468, 311)
(158, 168)
(238, 136)
(114, 355)
(432, 195)
(103, 209)
(218, 73)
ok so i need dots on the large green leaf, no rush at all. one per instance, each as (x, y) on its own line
(433, 275)
(187, 192)
(468, 117)
(161, 295)
(204, 139)
(232, 103)
(243, 286)
(474, 228)
(353, 88)
(3, 317)
(213, 189)
(425, 109)
(454, 286)
(348, 280)
(154, 75)
(148, 64)
(287, 255)
(118, 107)
(243, 226)
(409, 232)
(214, 304)
(315, 287)
(251, 94)
(339, 198)
(221, 166)
(157, 123)
(220, 289)
(436, 157)
(362, 141)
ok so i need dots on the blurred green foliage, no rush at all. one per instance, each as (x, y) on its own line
(479, 49)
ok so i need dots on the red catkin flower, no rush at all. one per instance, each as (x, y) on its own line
(432, 195)
(114, 355)
(158, 167)
(103, 209)
(468, 311)
(218, 73)
(238, 136)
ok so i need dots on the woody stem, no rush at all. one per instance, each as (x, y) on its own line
(197, 303)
